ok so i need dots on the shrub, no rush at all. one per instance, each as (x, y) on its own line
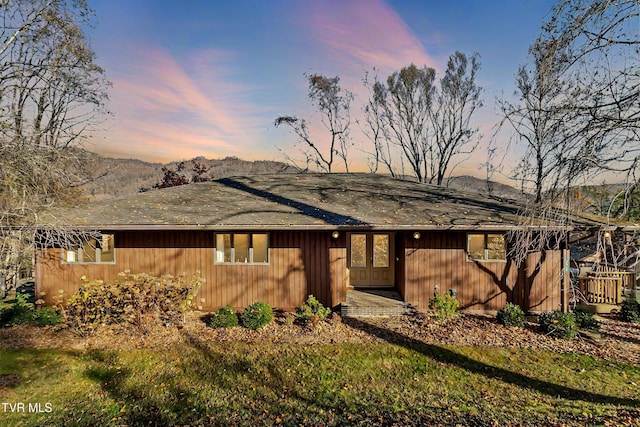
(18, 313)
(22, 312)
(558, 324)
(630, 311)
(312, 309)
(224, 317)
(46, 316)
(257, 315)
(511, 315)
(444, 306)
(585, 320)
(133, 299)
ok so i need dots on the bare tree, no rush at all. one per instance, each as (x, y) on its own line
(578, 110)
(334, 105)
(578, 107)
(428, 125)
(398, 116)
(51, 93)
(601, 39)
(456, 101)
(374, 128)
(50, 86)
(539, 118)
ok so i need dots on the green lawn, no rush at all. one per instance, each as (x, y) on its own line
(9, 299)
(295, 384)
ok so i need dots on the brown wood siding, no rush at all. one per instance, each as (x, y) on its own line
(400, 266)
(544, 274)
(437, 262)
(313, 263)
(338, 272)
(301, 264)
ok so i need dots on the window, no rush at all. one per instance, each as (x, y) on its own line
(380, 250)
(93, 251)
(486, 247)
(242, 248)
(359, 250)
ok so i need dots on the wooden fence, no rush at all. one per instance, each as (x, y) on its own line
(607, 287)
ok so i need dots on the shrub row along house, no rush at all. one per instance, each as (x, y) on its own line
(280, 238)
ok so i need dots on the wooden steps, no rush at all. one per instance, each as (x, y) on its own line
(385, 302)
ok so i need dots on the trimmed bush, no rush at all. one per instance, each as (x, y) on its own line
(444, 306)
(585, 320)
(257, 315)
(312, 309)
(630, 311)
(558, 324)
(224, 317)
(511, 315)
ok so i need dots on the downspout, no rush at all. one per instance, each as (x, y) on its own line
(566, 279)
(565, 283)
(37, 273)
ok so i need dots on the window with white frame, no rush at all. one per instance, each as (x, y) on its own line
(486, 247)
(242, 248)
(99, 250)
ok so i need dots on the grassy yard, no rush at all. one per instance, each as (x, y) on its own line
(235, 383)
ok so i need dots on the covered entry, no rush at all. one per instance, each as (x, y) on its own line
(370, 259)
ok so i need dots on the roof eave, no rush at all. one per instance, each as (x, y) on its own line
(314, 227)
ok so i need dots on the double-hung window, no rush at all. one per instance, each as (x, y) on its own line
(99, 250)
(242, 248)
(486, 247)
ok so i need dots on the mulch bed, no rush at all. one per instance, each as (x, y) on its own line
(617, 340)
(7, 381)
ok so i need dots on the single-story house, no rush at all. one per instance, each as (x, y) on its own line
(280, 238)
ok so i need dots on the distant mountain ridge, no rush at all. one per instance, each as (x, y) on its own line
(483, 186)
(115, 177)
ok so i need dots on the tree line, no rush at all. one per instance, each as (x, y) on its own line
(52, 92)
(410, 119)
(574, 113)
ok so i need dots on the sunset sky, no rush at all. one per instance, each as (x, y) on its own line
(209, 77)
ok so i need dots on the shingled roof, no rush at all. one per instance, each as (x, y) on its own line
(296, 201)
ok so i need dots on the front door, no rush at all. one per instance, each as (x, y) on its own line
(371, 259)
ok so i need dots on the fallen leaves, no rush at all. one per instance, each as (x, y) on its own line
(619, 341)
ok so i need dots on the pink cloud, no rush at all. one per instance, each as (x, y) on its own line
(367, 34)
(350, 38)
(167, 108)
(163, 84)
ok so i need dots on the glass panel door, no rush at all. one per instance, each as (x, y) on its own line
(359, 250)
(380, 250)
(371, 259)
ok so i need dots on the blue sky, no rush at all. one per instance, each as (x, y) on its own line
(209, 77)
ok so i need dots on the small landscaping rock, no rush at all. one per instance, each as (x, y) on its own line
(594, 336)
